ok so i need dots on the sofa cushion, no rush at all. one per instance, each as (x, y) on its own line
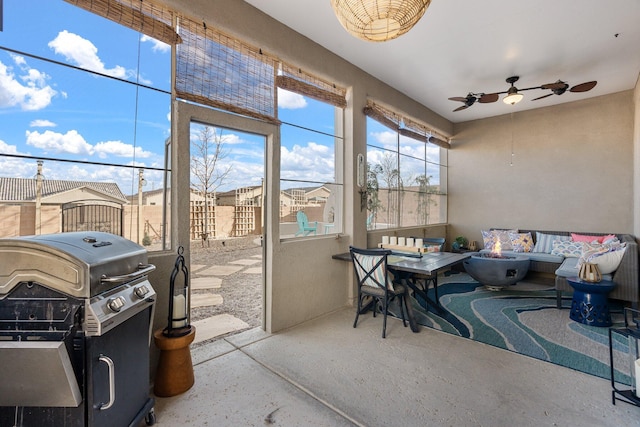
(521, 242)
(490, 237)
(544, 242)
(567, 248)
(542, 257)
(589, 238)
(533, 256)
(569, 268)
(608, 262)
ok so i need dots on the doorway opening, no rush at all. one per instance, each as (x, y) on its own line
(226, 229)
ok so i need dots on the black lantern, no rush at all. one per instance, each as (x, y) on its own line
(178, 318)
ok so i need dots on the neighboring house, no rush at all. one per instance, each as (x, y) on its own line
(248, 196)
(59, 205)
(24, 191)
(149, 198)
(156, 197)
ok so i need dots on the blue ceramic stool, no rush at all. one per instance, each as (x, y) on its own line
(590, 304)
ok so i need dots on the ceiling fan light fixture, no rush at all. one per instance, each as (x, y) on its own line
(513, 97)
(379, 20)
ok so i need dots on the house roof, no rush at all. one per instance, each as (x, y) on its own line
(24, 189)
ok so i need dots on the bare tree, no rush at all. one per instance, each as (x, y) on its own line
(373, 202)
(424, 199)
(391, 177)
(207, 173)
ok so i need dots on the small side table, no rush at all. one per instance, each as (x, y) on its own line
(590, 304)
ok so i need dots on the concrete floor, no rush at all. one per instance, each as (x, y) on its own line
(326, 373)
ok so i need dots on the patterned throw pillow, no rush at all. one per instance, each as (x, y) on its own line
(505, 240)
(567, 248)
(521, 242)
(490, 238)
(544, 242)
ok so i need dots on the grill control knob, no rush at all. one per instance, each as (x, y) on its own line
(116, 304)
(141, 291)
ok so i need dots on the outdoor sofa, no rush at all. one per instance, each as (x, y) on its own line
(544, 263)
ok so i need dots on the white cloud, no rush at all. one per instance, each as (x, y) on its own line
(83, 53)
(312, 162)
(72, 142)
(232, 139)
(119, 149)
(290, 100)
(8, 149)
(157, 45)
(19, 60)
(386, 138)
(30, 90)
(39, 123)
(48, 141)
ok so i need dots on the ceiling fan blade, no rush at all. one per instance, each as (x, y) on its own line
(583, 87)
(543, 96)
(463, 107)
(458, 98)
(556, 85)
(488, 97)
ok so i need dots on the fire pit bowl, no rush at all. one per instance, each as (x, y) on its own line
(496, 272)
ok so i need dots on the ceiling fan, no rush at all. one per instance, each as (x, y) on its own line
(514, 95)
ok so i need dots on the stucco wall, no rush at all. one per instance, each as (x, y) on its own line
(572, 169)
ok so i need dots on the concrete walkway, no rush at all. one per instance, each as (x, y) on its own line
(208, 278)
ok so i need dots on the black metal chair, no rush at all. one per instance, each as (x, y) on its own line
(376, 282)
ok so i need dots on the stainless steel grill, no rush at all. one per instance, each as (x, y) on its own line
(76, 313)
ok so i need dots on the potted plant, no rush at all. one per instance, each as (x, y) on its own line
(459, 243)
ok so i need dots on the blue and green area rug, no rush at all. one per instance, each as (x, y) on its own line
(524, 319)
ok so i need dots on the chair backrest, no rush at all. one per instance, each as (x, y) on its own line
(371, 267)
(302, 219)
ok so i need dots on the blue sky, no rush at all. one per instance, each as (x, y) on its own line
(56, 112)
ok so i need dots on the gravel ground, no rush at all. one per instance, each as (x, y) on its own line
(241, 293)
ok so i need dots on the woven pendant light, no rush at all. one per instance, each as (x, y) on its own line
(379, 20)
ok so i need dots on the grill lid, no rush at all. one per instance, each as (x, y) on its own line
(81, 264)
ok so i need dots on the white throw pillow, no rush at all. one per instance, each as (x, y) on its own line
(609, 261)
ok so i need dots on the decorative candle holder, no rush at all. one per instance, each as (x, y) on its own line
(178, 318)
(174, 374)
(589, 272)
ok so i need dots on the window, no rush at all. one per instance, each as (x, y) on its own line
(406, 179)
(86, 108)
(311, 165)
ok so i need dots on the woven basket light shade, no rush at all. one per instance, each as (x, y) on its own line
(379, 20)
